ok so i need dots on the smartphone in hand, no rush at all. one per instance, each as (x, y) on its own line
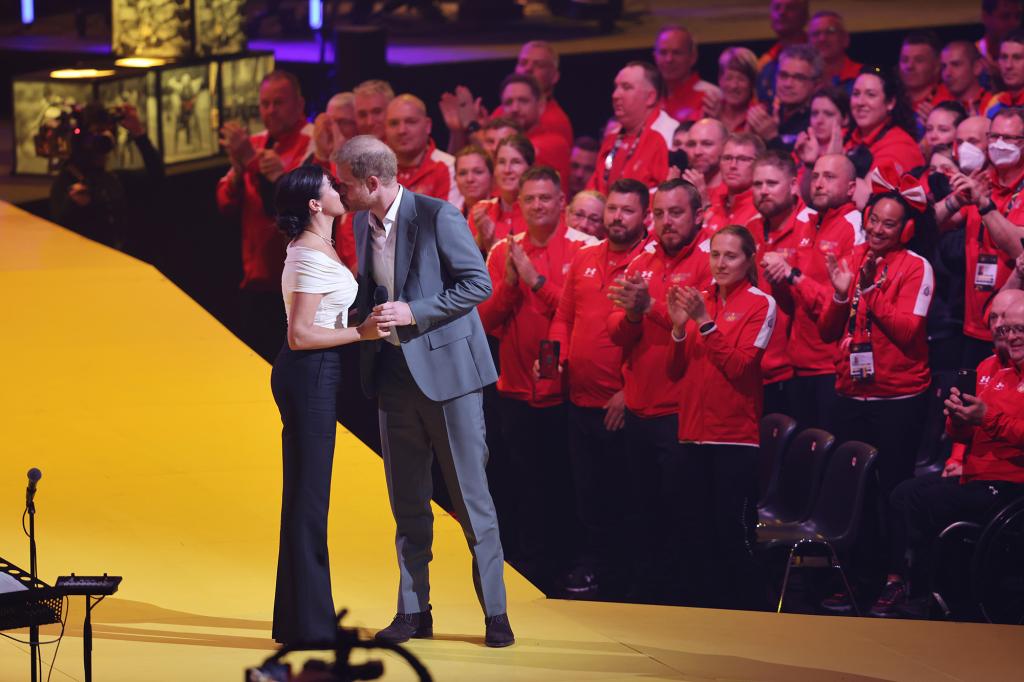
(549, 351)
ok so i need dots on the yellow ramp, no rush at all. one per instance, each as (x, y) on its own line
(159, 445)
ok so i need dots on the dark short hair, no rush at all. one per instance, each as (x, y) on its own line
(838, 96)
(651, 75)
(521, 144)
(281, 74)
(777, 158)
(528, 81)
(470, 150)
(541, 173)
(955, 108)
(586, 143)
(1010, 112)
(683, 127)
(924, 37)
(292, 194)
(1015, 36)
(696, 202)
(970, 48)
(989, 6)
(631, 186)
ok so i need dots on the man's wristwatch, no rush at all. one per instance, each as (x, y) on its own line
(472, 127)
(987, 209)
(793, 274)
(539, 283)
(706, 328)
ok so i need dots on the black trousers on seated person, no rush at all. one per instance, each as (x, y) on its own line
(305, 386)
(929, 504)
(717, 518)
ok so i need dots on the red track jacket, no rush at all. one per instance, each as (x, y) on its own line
(722, 397)
(647, 345)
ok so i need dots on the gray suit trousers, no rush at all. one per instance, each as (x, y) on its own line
(413, 428)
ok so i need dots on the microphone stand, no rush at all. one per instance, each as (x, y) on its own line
(33, 631)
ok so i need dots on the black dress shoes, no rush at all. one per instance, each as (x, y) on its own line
(499, 632)
(408, 626)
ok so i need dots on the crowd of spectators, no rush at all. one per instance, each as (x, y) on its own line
(810, 236)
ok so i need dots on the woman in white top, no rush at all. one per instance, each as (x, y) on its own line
(318, 291)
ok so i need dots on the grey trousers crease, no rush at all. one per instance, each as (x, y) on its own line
(414, 429)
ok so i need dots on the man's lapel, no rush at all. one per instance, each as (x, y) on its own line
(405, 240)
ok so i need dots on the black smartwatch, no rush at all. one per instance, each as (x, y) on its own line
(472, 127)
(988, 209)
(793, 274)
(539, 283)
(706, 328)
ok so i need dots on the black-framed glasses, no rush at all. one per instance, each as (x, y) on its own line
(736, 158)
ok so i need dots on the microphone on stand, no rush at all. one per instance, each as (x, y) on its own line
(33, 478)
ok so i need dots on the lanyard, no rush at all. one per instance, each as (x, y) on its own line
(855, 304)
(610, 159)
(1013, 200)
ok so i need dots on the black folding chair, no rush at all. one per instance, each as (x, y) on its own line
(793, 494)
(836, 518)
(776, 433)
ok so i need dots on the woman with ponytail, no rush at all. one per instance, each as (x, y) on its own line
(878, 313)
(719, 337)
(318, 291)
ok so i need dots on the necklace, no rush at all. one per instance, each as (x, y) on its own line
(329, 241)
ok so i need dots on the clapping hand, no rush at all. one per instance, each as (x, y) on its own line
(632, 295)
(270, 164)
(840, 275)
(869, 270)
(235, 141)
(327, 137)
(522, 263)
(764, 123)
(776, 267)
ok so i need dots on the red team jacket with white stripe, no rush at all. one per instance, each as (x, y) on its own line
(519, 317)
(835, 232)
(997, 444)
(898, 308)
(647, 345)
(580, 324)
(776, 363)
(721, 397)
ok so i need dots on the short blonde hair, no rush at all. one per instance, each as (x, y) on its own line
(375, 87)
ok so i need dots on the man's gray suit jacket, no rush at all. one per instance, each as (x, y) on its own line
(440, 273)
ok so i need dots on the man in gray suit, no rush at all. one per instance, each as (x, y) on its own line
(421, 273)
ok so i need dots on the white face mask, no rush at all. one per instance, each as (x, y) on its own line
(1001, 153)
(971, 158)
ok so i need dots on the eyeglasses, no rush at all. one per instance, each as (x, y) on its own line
(729, 158)
(992, 137)
(799, 77)
(1002, 331)
(593, 219)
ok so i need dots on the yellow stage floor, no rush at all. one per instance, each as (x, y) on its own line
(158, 440)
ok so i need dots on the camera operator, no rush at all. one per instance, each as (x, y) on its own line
(88, 198)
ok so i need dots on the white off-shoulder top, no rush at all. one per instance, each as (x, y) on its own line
(309, 271)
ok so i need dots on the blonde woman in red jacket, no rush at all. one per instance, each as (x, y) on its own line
(720, 336)
(878, 314)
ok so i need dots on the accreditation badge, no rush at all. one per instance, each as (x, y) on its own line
(862, 362)
(985, 272)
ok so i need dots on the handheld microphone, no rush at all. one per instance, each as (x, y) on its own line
(33, 478)
(380, 296)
